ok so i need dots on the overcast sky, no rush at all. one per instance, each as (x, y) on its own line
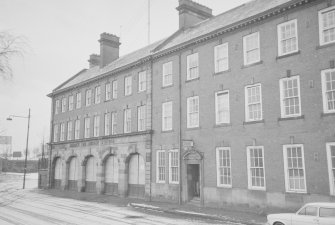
(61, 35)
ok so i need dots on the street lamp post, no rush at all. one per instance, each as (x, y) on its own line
(26, 154)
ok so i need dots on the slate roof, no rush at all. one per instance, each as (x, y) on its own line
(226, 19)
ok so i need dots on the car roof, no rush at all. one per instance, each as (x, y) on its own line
(322, 204)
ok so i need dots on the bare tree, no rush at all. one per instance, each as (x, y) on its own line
(10, 46)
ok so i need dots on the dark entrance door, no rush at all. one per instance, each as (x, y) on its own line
(193, 180)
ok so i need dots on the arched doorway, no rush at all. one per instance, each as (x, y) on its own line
(91, 175)
(111, 175)
(136, 179)
(73, 174)
(58, 173)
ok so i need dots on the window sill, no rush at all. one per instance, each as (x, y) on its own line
(291, 118)
(327, 114)
(222, 125)
(325, 45)
(193, 128)
(224, 186)
(221, 72)
(288, 55)
(252, 64)
(194, 79)
(253, 122)
(296, 192)
(167, 86)
(167, 131)
(257, 189)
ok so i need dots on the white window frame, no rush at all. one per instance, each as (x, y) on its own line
(128, 85)
(167, 77)
(57, 106)
(96, 126)
(69, 130)
(247, 103)
(107, 123)
(88, 97)
(114, 122)
(194, 56)
(63, 105)
(141, 118)
(167, 116)
(218, 120)
(142, 81)
(77, 129)
(245, 51)
(87, 126)
(324, 89)
(250, 186)
(71, 102)
(287, 184)
(224, 61)
(56, 133)
(218, 167)
(127, 121)
(281, 40)
(62, 132)
(78, 100)
(114, 89)
(321, 29)
(282, 105)
(174, 163)
(97, 96)
(108, 91)
(190, 113)
(330, 168)
(158, 178)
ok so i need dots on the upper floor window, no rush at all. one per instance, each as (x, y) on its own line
(77, 129)
(328, 90)
(114, 122)
(63, 104)
(69, 130)
(222, 110)
(253, 103)
(108, 91)
(256, 170)
(57, 106)
(96, 126)
(142, 81)
(87, 124)
(62, 132)
(167, 74)
(251, 50)
(141, 118)
(327, 25)
(88, 97)
(78, 100)
(290, 102)
(107, 123)
(192, 66)
(114, 89)
(287, 37)
(295, 175)
(97, 96)
(71, 102)
(221, 57)
(127, 121)
(127, 85)
(167, 116)
(223, 166)
(56, 132)
(193, 112)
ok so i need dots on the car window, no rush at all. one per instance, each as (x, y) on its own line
(309, 211)
(327, 212)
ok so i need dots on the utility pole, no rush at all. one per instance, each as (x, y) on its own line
(148, 22)
(25, 159)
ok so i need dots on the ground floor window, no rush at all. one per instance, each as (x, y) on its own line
(331, 166)
(161, 166)
(256, 168)
(174, 167)
(223, 167)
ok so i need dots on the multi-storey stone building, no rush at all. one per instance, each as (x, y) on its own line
(236, 108)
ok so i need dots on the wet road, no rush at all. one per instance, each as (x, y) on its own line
(25, 207)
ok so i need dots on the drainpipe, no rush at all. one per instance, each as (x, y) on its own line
(50, 141)
(151, 133)
(180, 130)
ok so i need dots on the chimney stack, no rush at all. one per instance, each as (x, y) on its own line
(94, 60)
(191, 13)
(109, 48)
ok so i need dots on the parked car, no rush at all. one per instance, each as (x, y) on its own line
(319, 213)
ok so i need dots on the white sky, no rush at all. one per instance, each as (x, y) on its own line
(61, 35)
